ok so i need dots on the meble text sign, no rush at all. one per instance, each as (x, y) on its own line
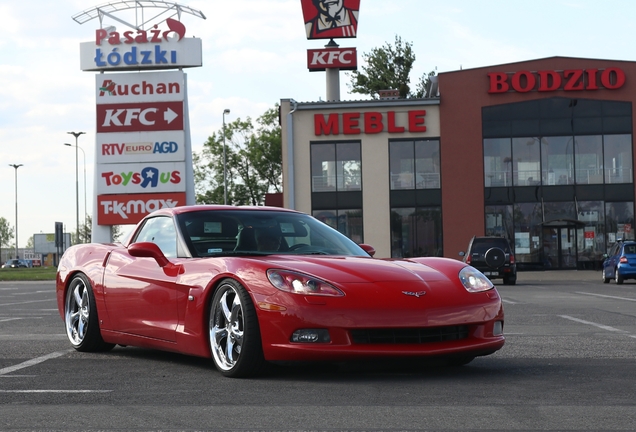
(160, 146)
(141, 177)
(165, 86)
(131, 208)
(139, 117)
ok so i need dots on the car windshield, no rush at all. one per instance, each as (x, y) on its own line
(259, 232)
(482, 245)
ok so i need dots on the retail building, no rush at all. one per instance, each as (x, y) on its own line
(538, 151)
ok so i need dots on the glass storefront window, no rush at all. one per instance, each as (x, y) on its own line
(348, 222)
(591, 237)
(427, 164)
(497, 162)
(557, 161)
(588, 157)
(416, 232)
(527, 232)
(402, 165)
(499, 221)
(526, 154)
(618, 158)
(336, 167)
(619, 221)
(414, 164)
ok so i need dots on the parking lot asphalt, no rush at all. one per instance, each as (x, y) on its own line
(559, 275)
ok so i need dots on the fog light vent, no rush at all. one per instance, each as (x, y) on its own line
(497, 328)
(311, 336)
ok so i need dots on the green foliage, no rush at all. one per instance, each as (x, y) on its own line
(6, 233)
(254, 162)
(389, 67)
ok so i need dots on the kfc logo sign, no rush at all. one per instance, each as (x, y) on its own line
(129, 209)
(140, 117)
(342, 58)
(549, 80)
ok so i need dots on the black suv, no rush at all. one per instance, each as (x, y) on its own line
(493, 257)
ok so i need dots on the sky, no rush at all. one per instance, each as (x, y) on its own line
(254, 55)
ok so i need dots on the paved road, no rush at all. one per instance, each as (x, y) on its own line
(568, 364)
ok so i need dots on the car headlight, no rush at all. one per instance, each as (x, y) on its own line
(299, 283)
(474, 280)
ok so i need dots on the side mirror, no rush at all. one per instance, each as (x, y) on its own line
(148, 250)
(367, 248)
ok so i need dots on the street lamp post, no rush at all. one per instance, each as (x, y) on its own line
(76, 135)
(84, 158)
(225, 111)
(16, 166)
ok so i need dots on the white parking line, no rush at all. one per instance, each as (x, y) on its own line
(10, 319)
(508, 301)
(608, 296)
(601, 326)
(55, 391)
(32, 362)
(25, 302)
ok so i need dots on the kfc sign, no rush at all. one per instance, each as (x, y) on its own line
(549, 80)
(370, 122)
(131, 208)
(330, 19)
(151, 116)
(341, 58)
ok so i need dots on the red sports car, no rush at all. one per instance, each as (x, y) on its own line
(251, 285)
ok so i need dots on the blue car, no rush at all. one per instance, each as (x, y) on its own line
(620, 262)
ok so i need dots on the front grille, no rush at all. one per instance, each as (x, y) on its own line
(409, 335)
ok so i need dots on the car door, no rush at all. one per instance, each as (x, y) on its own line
(140, 297)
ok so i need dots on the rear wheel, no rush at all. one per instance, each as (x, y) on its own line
(235, 339)
(80, 316)
(619, 279)
(510, 280)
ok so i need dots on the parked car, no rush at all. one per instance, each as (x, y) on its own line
(620, 262)
(245, 286)
(14, 263)
(493, 257)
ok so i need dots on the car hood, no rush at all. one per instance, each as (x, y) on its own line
(363, 270)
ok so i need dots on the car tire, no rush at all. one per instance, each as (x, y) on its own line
(235, 339)
(619, 279)
(80, 317)
(495, 257)
(605, 278)
(510, 280)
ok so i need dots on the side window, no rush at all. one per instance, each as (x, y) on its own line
(160, 230)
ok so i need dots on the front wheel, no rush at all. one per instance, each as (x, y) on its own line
(80, 317)
(235, 339)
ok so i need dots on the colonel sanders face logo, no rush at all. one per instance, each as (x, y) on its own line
(328, 19)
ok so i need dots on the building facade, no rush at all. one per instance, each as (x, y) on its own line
(540, 152)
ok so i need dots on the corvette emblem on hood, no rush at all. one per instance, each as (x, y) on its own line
(417, 294)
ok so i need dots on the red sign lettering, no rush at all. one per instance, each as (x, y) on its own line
(372, 122)
(548, 80)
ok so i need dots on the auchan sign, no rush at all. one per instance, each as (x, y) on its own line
(551, 80)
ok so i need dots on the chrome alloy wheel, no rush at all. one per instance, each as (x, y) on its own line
(226, 328)
(77, 311)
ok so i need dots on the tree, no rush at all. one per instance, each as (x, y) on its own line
(389, 67)
(6, 234)
(254, 162)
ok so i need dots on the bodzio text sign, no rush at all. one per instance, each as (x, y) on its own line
(550, 80)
